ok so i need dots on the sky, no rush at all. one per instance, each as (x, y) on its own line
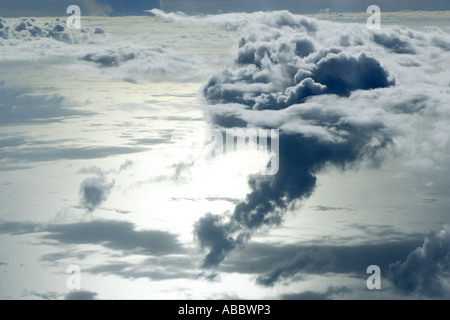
(118, 156)
(50, 8)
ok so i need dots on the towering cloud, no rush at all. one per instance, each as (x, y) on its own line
(275, 77)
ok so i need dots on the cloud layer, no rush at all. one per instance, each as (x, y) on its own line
(27, 29)
(92, 52)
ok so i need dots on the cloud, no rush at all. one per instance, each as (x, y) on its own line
(116, 235)
(80, 295)
(319, 261)
(332, 73)
(46, 153)
(426, 270)
(28, 29)
(126, 165)
(18, 228)
(307, 6)
(330, 293)
(90, 51)
(327, 208)
(21, 105)
(337, 101)
(95, 190)
(281, 263)
(155, 268)
(134, 63)
(394, 43)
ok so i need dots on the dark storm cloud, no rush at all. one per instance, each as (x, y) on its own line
(21, 105)
(300, 159)
(426, 270)
(336, 74)
(80, 295)
(329, 71)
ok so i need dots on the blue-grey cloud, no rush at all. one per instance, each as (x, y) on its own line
(133, 63)
(20, 105)
(80, 295)
(330, 293)
(154, 268)
(95, 190)
(426, 270)
(27, 29)
(46, 153)
(116, 235)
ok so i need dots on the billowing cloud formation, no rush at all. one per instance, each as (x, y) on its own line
(324, 72)
(335, 101)
(95, 190)
(426, 270)
(132, 62)
(279, 71)
(26, 29)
